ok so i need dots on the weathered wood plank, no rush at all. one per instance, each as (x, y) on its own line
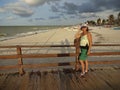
(104, 53)
(32, 46)
(57, 64)
(8, 56)
(109, 76)
(24, 82)
(100, 83)
(97, 79)
(6, 83)
(9, 67)
(2, 80)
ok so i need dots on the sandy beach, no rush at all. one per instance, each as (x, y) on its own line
(65, 36)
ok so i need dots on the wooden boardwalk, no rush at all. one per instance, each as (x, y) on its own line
(98, 78)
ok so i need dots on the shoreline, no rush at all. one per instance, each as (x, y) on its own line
(100, 35)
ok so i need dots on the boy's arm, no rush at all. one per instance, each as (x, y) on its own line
(90, 42)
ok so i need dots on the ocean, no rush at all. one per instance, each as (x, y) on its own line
(116, 28)
(9, 32)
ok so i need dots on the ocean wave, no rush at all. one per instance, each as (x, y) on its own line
(116, 28)
(20, 35)
(3, 34)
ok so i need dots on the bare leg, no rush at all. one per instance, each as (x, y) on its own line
(86, 65)
(82, 64)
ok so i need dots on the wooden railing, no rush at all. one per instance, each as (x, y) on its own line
(20, 56)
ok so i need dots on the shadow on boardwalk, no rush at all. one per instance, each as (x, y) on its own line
(66, 79)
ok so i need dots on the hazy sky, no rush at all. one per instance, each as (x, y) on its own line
(55, 12)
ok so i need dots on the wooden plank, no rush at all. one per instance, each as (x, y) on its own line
(32, 84)
(54, 55)
(106, 45)
(2, 80)
(48, 55)
(99, 82)
(6, 83)
(8, 56)
(89, 82)
(56, 78)
(12, 83)
(9, 67)
(104, 53)
(57, 64)
(111, 78)
(81, 82)
(63, 81)
(28, 46)
(75, 80)
(105, 62)
(43, 46)
(35, 46)
(24, 82)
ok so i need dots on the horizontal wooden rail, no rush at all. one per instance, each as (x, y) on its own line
(106, 44)
(20, 56)
(57, 64)
(33, 46)
(54, 55)
(104, 53)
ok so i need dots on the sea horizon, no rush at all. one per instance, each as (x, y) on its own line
(8, 32)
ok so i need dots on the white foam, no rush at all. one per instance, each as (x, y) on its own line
(22, 35)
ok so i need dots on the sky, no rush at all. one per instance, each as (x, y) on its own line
(55, 12)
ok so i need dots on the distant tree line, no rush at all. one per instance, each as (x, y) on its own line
(111, 20)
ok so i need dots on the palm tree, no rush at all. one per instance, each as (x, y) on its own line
(99, 21)
(111, 19)
(118, 19)
(92, 22)
(118, 15)
(103, 22)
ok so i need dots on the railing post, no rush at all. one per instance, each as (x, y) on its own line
(77, 47)
(20, 62)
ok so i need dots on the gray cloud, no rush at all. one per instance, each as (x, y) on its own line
(39, 19)
(38, 2)
(55, 8)
(22, 12)
(54, 17)
(17, 9)
(107, 4)
(90, 6)
(87, 15)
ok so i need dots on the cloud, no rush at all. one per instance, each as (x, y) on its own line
(39, 19)
(2, 9)
(87, 15)
(70, 8)
(17, 9)
(10, 18)
(38, 2)
(93, 6)
(54, 17)
(23, 12)
(107, 4)
(54, 8)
